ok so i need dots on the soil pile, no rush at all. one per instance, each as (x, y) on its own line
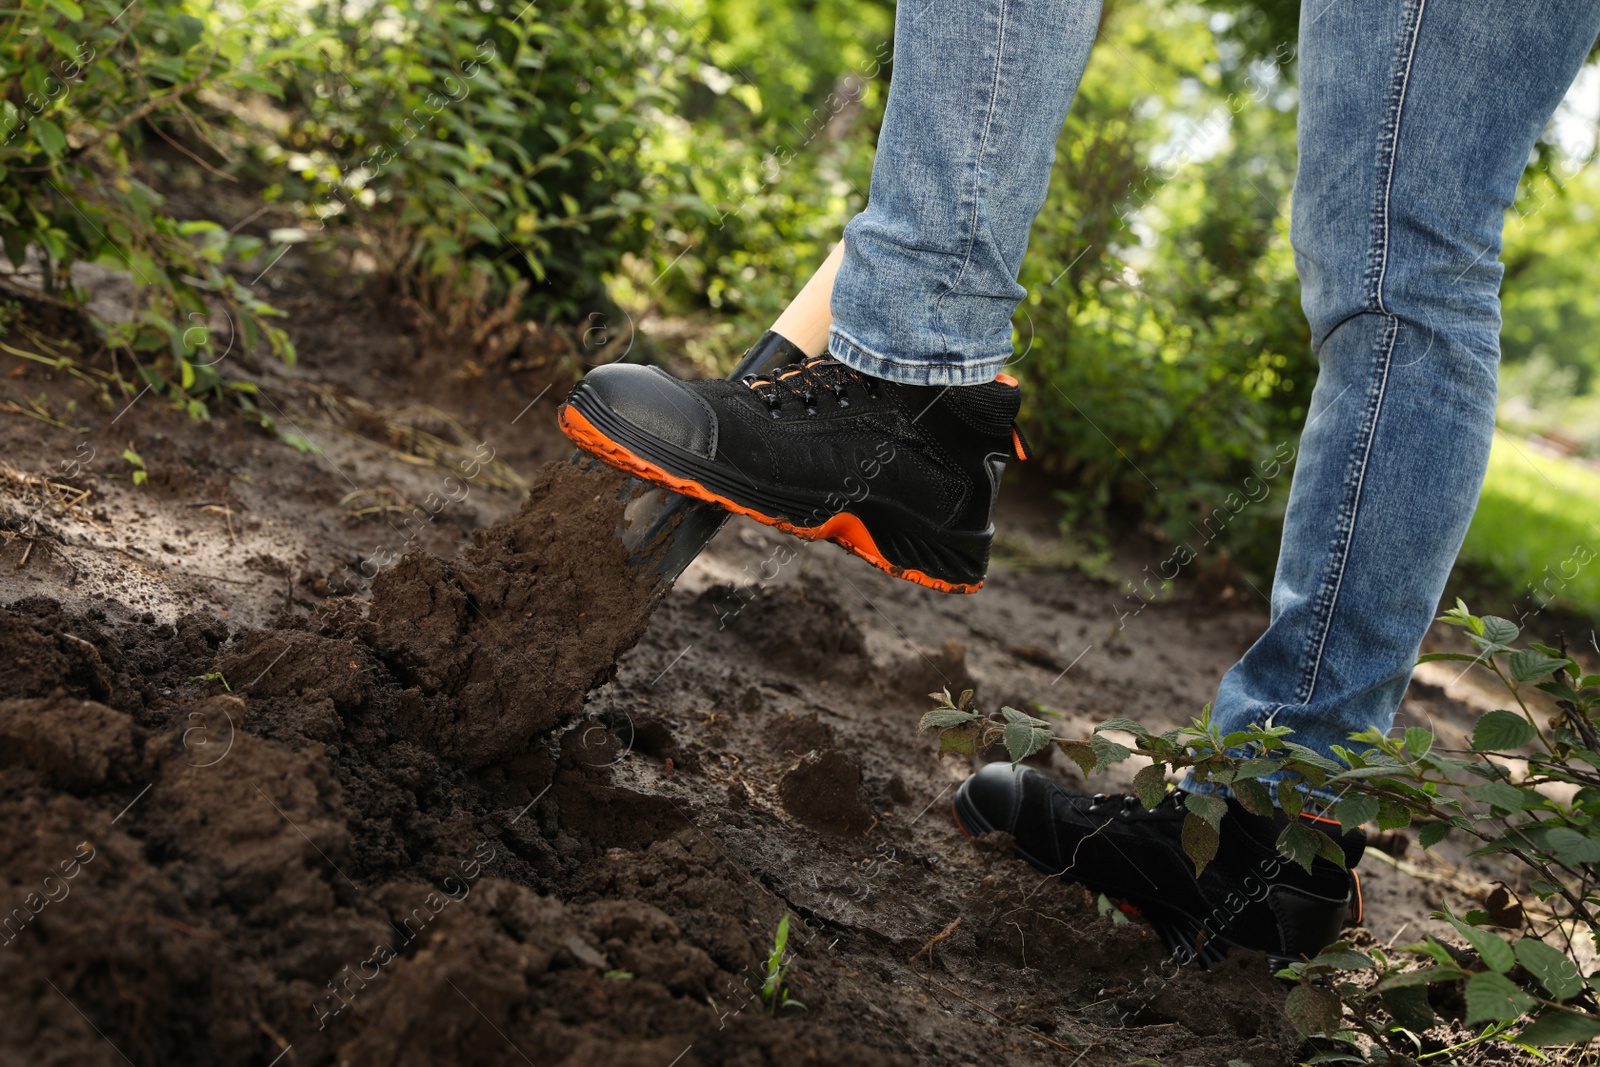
(384, 836)
(308, 866)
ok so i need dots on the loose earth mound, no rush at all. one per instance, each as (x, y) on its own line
(390, 836)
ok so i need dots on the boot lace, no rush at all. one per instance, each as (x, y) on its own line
(807, 381)
(1128, 804)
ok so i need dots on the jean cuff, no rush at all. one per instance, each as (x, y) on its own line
(928, 371)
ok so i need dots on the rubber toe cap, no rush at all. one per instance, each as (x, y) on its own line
(654, 403)
(991, 797)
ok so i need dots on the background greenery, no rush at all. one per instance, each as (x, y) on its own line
(683, 166)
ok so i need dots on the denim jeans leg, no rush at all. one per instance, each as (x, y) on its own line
(978, 95)
(1417, 118)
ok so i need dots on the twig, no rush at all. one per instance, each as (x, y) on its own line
(934, 940)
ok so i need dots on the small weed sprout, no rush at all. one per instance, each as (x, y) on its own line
(140, 475)
(774, 990)
(212, 676)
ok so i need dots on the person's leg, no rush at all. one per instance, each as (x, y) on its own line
(1416, 121)
(874, 449)
(979, 93)
(1417, 118)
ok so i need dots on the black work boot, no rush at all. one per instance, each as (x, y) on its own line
(904, 476)
(1249, 897)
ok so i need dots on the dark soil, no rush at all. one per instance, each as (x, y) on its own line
(488, 809)
(354, 859)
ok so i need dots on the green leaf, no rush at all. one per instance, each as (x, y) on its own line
(1343, 958)
(1150, 785)
(1290, 799)
(1491, 948)
(1569, 846)
(1560, 1028)
(1559, 690)
(1355, 810)
(1023, 739)
(1493, 997)
(1499, 631)
(1528, 664)
(1554, 969)
(1209, 808)
(1258, 768)
(1432, 834)
(1501, 731)
(1313, 757)
(1252, 795)
(1329, 849)
(940, 718)
(1107, 751)
(50, 137)
(1083, 756)
(1505, 797)
(59, 41)
(1126, 725)
(1200, 840)
(1393, 815)
(1299, 842)
(1431, 948)
(958, 742)
(1408, 1006)
(1313, 1010)
(1418, 741)
(1460, 615)
(1011, 714)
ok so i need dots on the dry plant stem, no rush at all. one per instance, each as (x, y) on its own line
(927, 948)
(147, 107)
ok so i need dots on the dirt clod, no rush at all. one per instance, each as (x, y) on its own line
(506, 642)
(823, 790)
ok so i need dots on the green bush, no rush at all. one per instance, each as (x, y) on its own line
(492, 151)
(87, 86)
(1167, 362)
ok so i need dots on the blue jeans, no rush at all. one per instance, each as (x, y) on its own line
(1417, 118)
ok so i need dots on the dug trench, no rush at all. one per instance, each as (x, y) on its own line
(396, 834)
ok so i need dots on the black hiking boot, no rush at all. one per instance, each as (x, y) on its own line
(1249, 897)
(903, 476)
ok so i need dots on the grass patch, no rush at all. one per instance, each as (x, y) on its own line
(1537, 530)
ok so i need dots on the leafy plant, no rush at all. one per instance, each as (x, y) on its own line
(87, 86)
(493, 156)
(1521, 983)
(212, 676)
(774, 990)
